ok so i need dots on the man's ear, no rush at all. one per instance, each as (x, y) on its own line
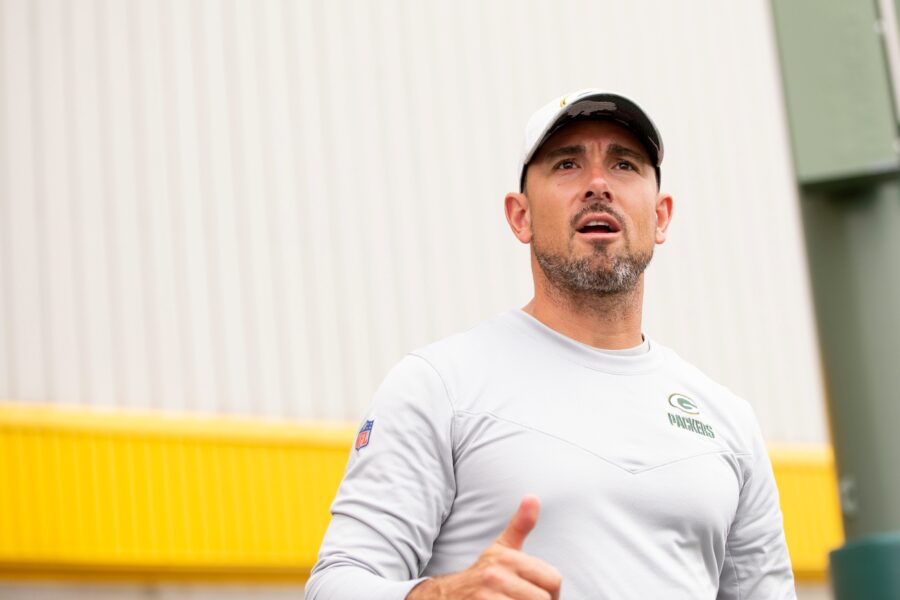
(664, 208)
(518, 215)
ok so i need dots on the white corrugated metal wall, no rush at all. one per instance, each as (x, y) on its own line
(258, 206)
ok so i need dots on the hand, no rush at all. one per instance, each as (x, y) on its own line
(502, 570)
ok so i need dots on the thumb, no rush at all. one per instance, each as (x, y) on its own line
(521, 523)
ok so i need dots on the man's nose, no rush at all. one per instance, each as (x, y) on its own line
(597, 185)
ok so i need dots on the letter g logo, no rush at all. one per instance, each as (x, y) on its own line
(684, 404)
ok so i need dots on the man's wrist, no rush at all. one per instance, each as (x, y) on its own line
(428, 589)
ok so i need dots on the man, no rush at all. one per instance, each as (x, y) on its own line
(651, 480)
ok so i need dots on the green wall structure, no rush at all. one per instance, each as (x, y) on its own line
(838, 92)
(844, 132)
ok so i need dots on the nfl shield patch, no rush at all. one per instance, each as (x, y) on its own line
(362, 438)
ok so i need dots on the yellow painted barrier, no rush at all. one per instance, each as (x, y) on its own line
(112, 494)
(807, 487)
(147, 494)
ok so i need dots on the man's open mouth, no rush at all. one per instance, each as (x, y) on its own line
(597, 224)
(597, 227)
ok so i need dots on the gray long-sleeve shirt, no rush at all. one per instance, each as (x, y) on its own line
(654, 480)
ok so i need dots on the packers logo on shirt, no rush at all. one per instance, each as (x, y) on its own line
(684, 404)
(688, 407)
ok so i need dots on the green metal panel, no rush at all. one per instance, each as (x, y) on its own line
(837, 87)
(854, 255)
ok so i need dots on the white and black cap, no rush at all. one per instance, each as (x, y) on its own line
(590, 104)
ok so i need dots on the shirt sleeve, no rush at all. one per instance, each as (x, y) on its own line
(757, 565)
(397, 491)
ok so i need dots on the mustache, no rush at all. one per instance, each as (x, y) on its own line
(598, 208)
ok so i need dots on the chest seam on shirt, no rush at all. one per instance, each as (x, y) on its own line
(591, 452)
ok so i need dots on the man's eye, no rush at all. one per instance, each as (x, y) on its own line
(566, 164)
(624, 164)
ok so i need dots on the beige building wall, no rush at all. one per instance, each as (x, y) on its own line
(253, 206)
(250, 206)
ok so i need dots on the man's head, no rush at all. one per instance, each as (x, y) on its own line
(590, 103)
(590, 204)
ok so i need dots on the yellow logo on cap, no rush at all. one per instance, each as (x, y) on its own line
(563, 101)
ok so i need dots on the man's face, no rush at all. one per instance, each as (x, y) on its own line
(593, 210)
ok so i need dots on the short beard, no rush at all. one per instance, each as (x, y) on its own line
(583, 278)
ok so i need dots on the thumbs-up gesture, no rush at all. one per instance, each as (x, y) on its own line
(502, 570)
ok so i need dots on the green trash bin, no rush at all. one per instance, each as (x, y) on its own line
(867, 568)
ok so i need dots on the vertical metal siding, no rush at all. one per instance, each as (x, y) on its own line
(260, 206)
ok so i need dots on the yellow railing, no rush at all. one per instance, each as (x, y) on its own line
(85, 493)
